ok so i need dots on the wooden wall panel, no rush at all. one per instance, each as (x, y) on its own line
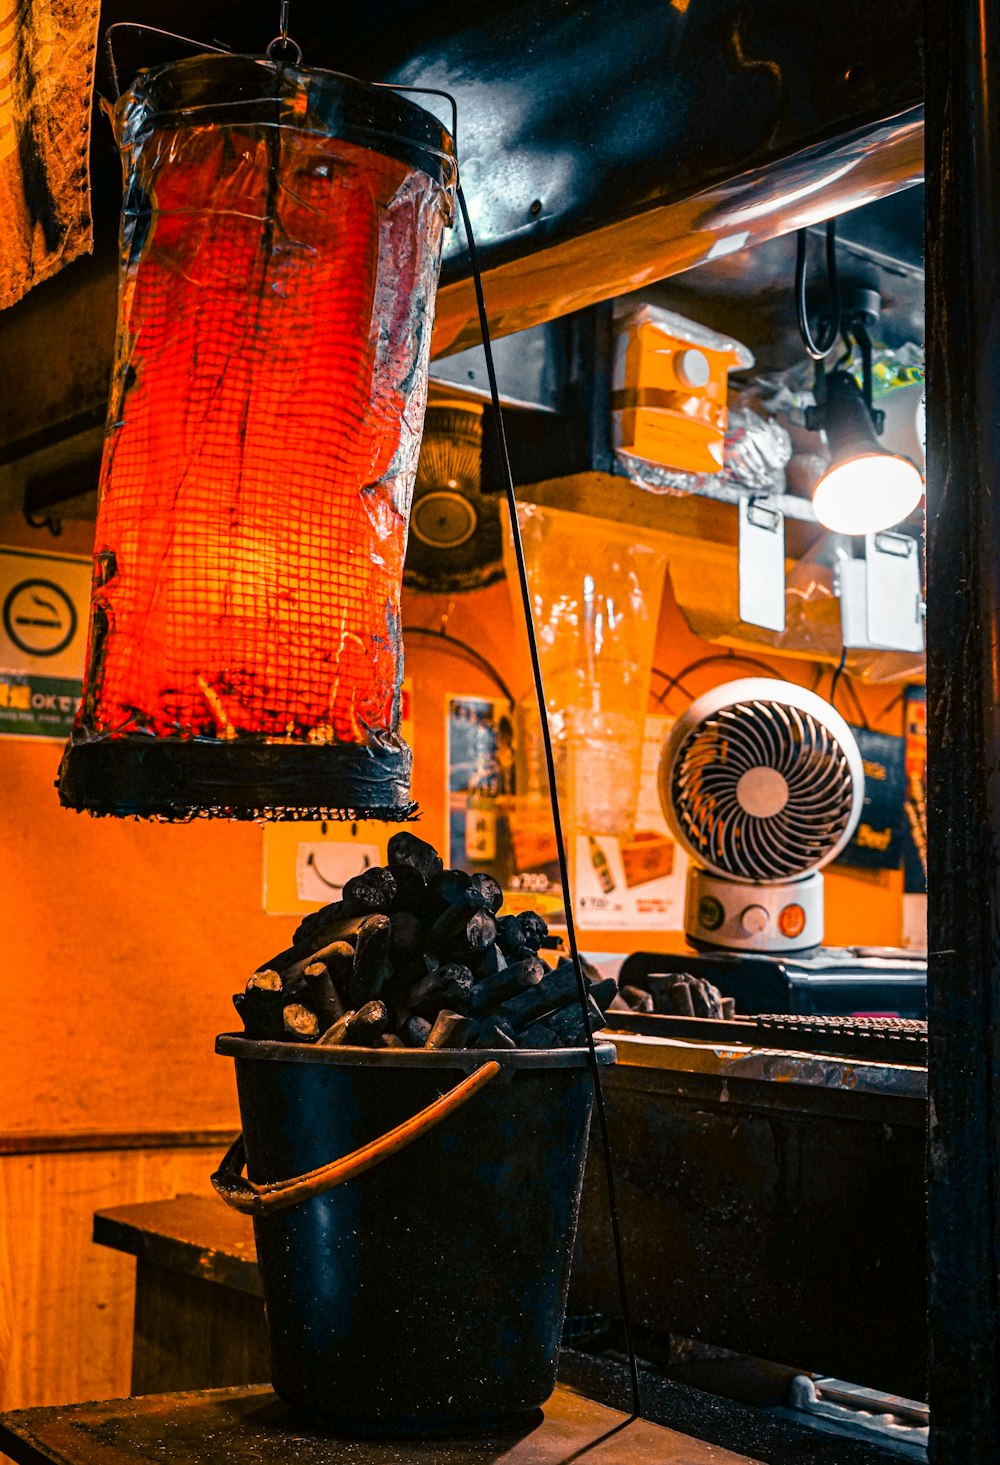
(65, 1304)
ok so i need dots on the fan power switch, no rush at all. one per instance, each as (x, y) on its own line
(754, 920)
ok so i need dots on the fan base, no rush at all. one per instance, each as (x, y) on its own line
(742, 916)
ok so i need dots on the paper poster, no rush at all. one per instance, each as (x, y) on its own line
(307, 862)
(491, 827)
(636, 884)
(915, 803)
(877, 843)
(44, 611)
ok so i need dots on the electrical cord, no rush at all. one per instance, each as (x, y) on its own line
(835, 679)
(674, 684)
(476, 657)
(817, 349)
(862, 715)
(724, 657)
(536, 672)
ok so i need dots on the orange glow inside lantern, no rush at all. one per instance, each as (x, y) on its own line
(281, 241)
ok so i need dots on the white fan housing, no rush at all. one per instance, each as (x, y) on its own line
(762, 783)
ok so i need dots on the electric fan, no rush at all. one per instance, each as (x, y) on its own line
(762, 783)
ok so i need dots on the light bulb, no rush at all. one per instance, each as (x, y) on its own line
(867, 493)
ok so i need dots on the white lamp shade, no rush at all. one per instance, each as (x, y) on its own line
(864, 494)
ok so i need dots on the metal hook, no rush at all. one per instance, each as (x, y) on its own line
(283, 39)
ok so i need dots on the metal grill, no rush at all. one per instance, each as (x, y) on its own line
(713, 801)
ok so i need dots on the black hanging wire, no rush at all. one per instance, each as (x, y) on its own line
(821, 347)
(536, 672)
(835, 679)
(284, 40)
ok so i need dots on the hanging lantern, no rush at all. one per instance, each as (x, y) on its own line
(281, 240)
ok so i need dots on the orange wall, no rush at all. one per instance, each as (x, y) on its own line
(124, 940)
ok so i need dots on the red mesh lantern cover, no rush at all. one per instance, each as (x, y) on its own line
(281, 240)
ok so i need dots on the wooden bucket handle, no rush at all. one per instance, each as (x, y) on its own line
(280, 1195)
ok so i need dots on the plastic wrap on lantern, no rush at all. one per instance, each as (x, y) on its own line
(280, 247)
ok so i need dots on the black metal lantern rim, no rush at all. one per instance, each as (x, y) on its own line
(232, 91)
(180, 779)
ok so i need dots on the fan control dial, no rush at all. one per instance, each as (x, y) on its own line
(754, 920)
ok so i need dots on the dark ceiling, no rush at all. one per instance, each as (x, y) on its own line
(570, 110)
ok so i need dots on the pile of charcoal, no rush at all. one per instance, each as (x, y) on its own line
(678, 993)
(418, 956)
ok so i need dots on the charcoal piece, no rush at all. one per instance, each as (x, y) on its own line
(680, 999)
(701, 998)
(370, 893)
(361, 1029)
(407, 935)
(551, 942)
(590, 971)
(714, 998)
(415, 1032)
(603, 993)
(411, 891)
(537, 1035)
(450, 986)
(450, 1030)
(324, 999)
(365, 1028)
(462, 931)
(265, 981)
(511, 939)
(480, 932)
(658, 986)
(406, 849)
(568, 1026)
(294, 976)
(453, 887)
(262, 1011)
(409, 972)
(533, 928)
(317, 921)
(338, 958)
(490, 991)
(336, 1035)
(390, 1040)
(635, 1000)
(488, 890)
(371, 970)
(493, 1032)
(301, 1025)
(728, 1005)
(556, 987)
(491, 962)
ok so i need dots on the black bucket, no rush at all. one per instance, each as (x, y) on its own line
(426, 1295)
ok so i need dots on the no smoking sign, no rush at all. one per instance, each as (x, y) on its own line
(44, 602)
(39, 618)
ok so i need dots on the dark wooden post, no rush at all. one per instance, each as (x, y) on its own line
(962, 79)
